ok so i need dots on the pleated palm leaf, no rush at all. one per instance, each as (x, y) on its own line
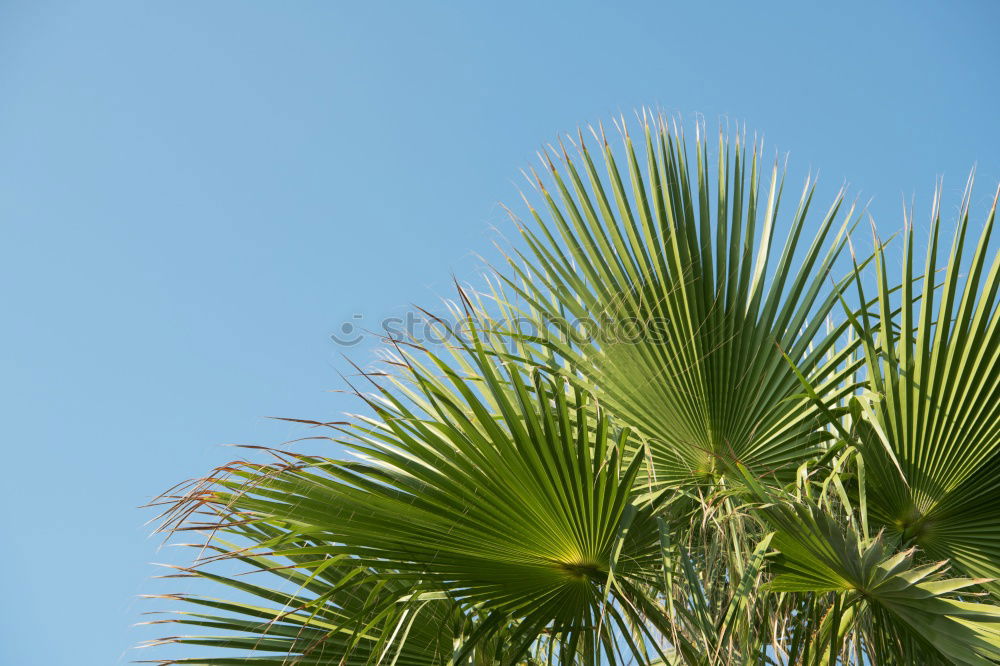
(689, 323)
(866, 594)
(506, 493)
(932, 433)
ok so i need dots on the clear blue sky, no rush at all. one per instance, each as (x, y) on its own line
(195, 195)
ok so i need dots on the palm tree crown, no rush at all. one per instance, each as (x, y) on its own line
(717, 442)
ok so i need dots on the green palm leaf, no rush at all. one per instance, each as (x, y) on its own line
(911, 609)
(934, 402)
(516, 504)
(320, 611)
(690, 313)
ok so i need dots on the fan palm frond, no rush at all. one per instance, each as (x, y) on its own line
(899, 608)
(689, 316)
(517, 505)
(932, 433)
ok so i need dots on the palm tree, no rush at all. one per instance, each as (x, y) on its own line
(710, 446)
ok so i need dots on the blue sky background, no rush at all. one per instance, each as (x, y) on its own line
(194, 196)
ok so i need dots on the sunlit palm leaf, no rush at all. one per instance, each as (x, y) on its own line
(689, 313)
(309, 611)
(914, 611)
(519, 508)
(934, 402)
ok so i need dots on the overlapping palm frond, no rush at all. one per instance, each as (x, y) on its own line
(313, 611)
(932, 432)
(896, 610)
